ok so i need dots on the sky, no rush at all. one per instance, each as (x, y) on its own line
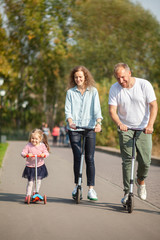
(152, 5)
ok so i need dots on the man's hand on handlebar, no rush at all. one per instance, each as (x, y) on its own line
(123, 127)
(148, 130)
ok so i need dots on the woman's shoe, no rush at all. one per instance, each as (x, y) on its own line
(92, 195)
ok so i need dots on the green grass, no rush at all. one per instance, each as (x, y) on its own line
(3, 148)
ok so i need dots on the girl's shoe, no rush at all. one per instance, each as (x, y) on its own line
(26, 198)
(92, 195)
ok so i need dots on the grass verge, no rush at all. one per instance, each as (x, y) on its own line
(3, 148)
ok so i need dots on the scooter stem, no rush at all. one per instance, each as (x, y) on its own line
(36, 173)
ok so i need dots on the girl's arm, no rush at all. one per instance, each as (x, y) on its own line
(25, 151)
(45, 152)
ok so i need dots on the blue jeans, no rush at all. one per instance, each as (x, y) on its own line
(75, 140)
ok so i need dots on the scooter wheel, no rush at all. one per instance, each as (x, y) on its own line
(130, 203)
(78, 196)
(28, 199)
(45, 199)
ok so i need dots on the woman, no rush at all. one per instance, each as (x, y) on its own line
(82, 108)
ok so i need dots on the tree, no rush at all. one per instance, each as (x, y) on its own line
(37, 39)
(111, 31)
(43, 40)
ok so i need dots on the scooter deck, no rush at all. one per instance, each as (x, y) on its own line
(37, 197)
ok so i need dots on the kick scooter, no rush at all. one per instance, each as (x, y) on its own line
(79, 187)
(36, 196)
(130, 202)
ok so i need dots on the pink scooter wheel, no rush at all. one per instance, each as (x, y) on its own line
(45, 199)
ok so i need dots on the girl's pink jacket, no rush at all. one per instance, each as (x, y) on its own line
(35, 150)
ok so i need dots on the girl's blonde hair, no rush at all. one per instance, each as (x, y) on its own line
(42, 135)
(89, 80)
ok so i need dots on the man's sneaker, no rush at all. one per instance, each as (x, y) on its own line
(74, 193)
(141, 191)
(92, 195)
(124, 199)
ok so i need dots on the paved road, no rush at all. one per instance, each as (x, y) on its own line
(61, 218)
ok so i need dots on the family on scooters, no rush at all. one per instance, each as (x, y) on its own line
(132, 105)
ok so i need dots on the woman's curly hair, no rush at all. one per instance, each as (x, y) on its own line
(89, 80)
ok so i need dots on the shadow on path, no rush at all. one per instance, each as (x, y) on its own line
(19, 198)
(11, 197)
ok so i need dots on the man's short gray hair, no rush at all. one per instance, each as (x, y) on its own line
(119, 65)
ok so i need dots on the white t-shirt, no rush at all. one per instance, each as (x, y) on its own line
(133, 103)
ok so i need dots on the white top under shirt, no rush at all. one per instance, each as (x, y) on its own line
(133, 103)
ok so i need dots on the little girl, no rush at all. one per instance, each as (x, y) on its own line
(37, 145)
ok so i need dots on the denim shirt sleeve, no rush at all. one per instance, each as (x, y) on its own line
(97, 107)
(68, 107)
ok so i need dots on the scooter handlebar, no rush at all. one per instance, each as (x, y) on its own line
(27, 156)
(137, 129)
(85, 128)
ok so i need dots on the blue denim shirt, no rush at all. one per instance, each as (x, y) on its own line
(83, 109)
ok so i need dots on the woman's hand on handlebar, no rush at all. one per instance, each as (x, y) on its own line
(73, 126)
(98, 128)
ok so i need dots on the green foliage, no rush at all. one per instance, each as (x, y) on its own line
(3, 148)
(115, 31)
(156, 135)
(42, 40)
(108, 137)
(37, 53)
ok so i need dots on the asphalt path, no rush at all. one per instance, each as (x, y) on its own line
(61, 218)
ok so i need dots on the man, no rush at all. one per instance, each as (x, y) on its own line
(132, 104)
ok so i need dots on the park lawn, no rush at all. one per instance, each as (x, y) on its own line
(3, 148)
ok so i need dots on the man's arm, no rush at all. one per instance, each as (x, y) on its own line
(153, 114)
(115, 118)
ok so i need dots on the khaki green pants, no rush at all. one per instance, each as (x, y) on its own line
(143, 154)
